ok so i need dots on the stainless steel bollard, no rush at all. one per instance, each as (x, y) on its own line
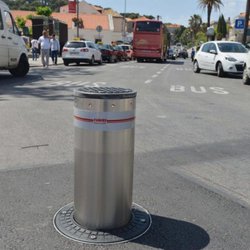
(104, 120)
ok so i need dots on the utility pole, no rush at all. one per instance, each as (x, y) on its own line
(77, 16)
(124, 22)
(244, 39)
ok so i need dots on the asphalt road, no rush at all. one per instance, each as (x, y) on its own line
(192, 158)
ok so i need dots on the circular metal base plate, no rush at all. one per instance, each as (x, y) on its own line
(65, 224)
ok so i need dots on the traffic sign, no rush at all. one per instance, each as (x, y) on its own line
(239, 24)
(99, 28)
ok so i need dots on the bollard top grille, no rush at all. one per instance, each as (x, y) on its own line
(105, 93)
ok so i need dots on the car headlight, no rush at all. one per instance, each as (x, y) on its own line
(230, 59)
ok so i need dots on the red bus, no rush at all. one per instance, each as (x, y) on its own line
(149, 41)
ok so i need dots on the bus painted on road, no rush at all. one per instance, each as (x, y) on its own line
(149, 40)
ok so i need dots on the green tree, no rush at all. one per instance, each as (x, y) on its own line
(221, 28)
(195, 23)
(209, 5)
(20, 21)
(43, 11)
(33, 4)
(177, 34)
(186, 37)
(201, 37)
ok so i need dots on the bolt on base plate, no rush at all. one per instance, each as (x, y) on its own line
(65, 224)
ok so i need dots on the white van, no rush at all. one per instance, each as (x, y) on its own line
(13, 53)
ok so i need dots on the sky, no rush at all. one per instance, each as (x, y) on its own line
(173, 11)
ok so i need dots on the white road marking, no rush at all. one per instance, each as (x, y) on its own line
(161, 116)
(148, 81)
(198, 90)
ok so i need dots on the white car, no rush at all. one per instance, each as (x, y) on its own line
(246, 72)
(13, 53)
(81, 51)
(221, 56)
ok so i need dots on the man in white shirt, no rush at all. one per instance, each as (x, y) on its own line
(34, 47)
(44, 42)
(55, 48)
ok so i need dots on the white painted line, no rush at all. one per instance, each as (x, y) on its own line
(148, 81)
(161, 116)
(159, 72)
(154, 76)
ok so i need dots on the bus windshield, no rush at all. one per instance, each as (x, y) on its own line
(148, 26)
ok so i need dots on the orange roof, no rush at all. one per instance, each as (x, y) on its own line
(90, 21)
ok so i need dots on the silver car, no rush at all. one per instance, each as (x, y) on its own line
(81, 51)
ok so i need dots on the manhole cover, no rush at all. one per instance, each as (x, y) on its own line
(65, 224)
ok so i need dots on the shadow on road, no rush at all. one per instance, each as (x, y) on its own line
(174, 62)
(177, 234)
(30, 85)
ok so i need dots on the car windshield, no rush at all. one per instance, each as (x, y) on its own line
(105, 46)
(125, 47)
(232, 47)
(147, 26)
(75, 45)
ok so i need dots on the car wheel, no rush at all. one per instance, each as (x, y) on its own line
(66, 63)
(220, 71)
(246, 79)
(196, 68)
(92, 60)
(22, 68)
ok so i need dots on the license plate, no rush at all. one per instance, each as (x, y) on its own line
(74, 53)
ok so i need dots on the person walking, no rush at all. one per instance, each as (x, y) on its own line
(44, 42)
(192, 54)
(34, 48)
(55, 48)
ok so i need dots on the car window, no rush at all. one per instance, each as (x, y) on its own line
(205, 47)
(106, 46)
(212, 47)
(91, 45)
(11, 26)
(125, 47)
(75, 45)
(232, 47)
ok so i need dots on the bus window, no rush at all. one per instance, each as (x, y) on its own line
(148, 26)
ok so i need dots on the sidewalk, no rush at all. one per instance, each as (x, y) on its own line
(38, 63)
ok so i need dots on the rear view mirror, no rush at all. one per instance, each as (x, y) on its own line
(212, 51)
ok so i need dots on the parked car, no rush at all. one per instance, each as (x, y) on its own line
(171, 54)
(246, 71)
(121, 54)
(183, 53)
(108, 53)
(129, 51)
(81, 51)
(221, 56)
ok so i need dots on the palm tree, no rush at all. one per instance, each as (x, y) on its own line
(195, 23)
(209, 5)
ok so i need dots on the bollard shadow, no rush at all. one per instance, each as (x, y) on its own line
(172, 234)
